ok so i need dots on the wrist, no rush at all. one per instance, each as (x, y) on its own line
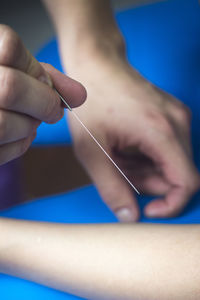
(89, 50)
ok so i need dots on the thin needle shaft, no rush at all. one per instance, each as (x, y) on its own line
(100, 146)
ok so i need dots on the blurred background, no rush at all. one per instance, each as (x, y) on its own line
(31, 21)
(42, 170)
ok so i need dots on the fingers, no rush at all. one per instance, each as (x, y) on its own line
(178, 170)
(15, 127)
(171, 205)
(113, 188)
(142, 171)
(24, 98)
(24, 94)
(13, 54)
(153, 184)
(14, 150)
(71, 90)
(115, 191)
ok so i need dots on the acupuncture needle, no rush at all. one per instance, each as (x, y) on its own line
(96, 141)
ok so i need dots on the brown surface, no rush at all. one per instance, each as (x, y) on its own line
(51, 170)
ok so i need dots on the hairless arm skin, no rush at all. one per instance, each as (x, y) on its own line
(86, 25)
(119, 262)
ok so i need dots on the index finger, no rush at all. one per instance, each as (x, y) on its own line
(15, 55)
(179, 171)
(24, 94)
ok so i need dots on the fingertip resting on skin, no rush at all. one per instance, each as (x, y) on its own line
(165, 208)
(174, 201)
(127, 215)
(154, 209)
(71, 90)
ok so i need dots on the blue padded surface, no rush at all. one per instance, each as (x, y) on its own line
(163, 43)
(53, 134)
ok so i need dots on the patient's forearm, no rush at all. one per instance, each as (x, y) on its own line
(83, 20)
(86, 30)
(141, 262)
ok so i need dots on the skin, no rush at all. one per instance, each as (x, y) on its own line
(141, 261)
(145, 130)
(115, 262)
(26, 95)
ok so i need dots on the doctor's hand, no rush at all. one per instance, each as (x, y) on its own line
(147, 133)
(26, 95)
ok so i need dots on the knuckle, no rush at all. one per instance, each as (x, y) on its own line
(8, 82)
(3, 122)
(44, 64)
(11, 46)
(183, 114)
(195, 184)
(192, 183)
(162, 124)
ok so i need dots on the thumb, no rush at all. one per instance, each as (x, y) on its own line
(116, 192)
(14, 54)
(112, 187)
(71, 90)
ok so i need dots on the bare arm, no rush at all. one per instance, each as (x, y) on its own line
(146, 262)
(86, 28)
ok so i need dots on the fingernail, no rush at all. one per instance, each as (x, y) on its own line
(46, 79)
(126, 215)
(151, 213)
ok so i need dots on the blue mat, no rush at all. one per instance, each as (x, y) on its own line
(163, 42)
